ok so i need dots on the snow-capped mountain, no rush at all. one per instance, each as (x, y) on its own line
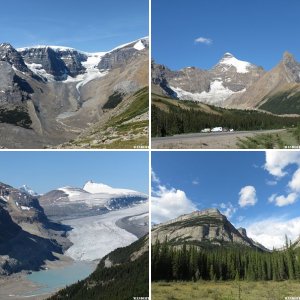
(92, 199)
(235, 83)
(228, 77)
(28, 190)
(54, 93)
(96, 188)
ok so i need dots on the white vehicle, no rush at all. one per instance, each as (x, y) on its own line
(205, 130)
(217, 129)
(231, 130)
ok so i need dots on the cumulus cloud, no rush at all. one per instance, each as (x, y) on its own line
(247, 196)
(203, 40)
(228, 209)
(283, 200)
(277, 161)
(168, 203)
(271, 232)
(294, 184)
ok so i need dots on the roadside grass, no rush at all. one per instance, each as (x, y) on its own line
(225, 290)
(285, 139)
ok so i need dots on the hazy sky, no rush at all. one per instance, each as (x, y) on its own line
(90, 25)
(198, 32)
(47, 170)
(256, 190)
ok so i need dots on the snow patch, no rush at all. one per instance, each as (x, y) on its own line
(229, 60)
(139, 46)
(216, 94)
(25, 207)
(95, 188)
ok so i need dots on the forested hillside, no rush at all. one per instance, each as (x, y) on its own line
(170, 116)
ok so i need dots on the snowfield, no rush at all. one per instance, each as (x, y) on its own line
(94, 237)
(216, 94)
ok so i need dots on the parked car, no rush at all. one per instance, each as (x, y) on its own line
(217, 129)
(205, 130)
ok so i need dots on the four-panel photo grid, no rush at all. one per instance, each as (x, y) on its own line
(150, 150)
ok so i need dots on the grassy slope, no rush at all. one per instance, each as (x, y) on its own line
(230, 290)
(122, 281)
(123, 130)
(282, 140)
(287, 102)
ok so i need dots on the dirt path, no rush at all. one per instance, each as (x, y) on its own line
(217, 140)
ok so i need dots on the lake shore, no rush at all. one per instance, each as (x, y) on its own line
(17, 286)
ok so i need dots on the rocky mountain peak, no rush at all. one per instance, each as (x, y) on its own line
(9, 54)
(288, 57)
(242, 231)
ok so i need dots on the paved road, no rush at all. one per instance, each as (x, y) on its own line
(212, 140)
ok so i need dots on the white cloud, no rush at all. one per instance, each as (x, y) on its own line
(195, 182)
(168, 203)
(271, 182)
(240, 218)
(282, 200)
(271, 232)
(277, 161)
(247, 196)
(203, 40)
(228, 209)
(154, 178)
(294, 184)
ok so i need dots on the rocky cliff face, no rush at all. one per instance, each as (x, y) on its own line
(27, 237)
(202, 228)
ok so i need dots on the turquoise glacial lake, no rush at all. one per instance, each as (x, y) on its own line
(53, 279)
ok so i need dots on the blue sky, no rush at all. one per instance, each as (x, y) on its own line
(90, 25)
(47, 170)
(256, 31)
(255, 190)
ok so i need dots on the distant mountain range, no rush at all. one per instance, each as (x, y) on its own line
(50, 95)
(233, 83)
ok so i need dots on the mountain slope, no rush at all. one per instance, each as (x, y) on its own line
(123, 274)
(27, 237)
(206, 229)
(50, 94)
(124, 126)
(285, 77)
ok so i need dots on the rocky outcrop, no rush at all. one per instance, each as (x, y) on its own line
(202, 228)
(123, 55)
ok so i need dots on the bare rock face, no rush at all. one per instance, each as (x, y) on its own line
(123, 55)
(285, 76)
(27, 238)
(202, 228)
(13, 57)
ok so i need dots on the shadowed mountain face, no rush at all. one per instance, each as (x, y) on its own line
(27, 237)
(233, 83)
(205, 228)
(49, 95)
